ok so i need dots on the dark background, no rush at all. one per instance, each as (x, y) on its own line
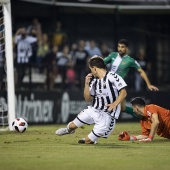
(145, 24)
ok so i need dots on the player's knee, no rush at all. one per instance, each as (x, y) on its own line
(71, 126)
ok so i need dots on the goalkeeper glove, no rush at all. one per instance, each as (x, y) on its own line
(124, 136)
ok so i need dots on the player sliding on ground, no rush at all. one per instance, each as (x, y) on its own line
(155, 119)
(121, 63)
(105, 90)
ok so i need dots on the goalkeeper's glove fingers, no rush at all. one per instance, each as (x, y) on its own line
(120, 136)
(124, 136)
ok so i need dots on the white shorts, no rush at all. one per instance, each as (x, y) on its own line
(104, 124)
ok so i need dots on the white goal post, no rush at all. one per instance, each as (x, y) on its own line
(6, 5)
(5, 1)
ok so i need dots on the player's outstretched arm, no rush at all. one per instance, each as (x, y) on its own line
(124, 136)
(151, 87)
(107, 59)
(145, 77)
(154, 127)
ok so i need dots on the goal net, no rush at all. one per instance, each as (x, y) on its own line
(7, 104)
(3, 115)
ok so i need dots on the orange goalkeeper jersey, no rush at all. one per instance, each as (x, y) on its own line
(164, 120)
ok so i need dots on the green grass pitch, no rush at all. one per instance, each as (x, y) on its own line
(40, 149)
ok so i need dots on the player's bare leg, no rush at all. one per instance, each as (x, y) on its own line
(71, 127)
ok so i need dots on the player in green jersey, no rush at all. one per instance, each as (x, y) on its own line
(121, 63)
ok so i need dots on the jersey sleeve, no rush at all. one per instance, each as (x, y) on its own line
(117, 80)
(151, 109)
(135, 64)
(145, 126)
(108, 59)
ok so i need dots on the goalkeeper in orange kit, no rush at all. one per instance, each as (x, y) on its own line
(155, 119)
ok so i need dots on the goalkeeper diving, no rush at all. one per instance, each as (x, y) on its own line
(155, 119)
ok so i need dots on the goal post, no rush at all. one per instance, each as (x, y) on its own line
(6, 6)
(5, 1)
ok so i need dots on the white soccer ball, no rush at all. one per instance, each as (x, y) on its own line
(19, 125)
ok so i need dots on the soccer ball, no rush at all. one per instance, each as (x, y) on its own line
(19, 125)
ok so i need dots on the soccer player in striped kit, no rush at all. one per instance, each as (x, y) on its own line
(121, 64)
(106, 90)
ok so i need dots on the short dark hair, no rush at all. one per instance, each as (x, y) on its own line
(138, 101)
(97, 61)
(124, 41)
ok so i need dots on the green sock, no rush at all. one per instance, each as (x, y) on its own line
(129, 110)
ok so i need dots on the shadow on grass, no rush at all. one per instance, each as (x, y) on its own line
(101, 145)
(127, 144)
(21, 141)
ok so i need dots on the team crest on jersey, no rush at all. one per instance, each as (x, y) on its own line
(123, 63)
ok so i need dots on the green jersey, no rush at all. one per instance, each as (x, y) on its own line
(121, 65)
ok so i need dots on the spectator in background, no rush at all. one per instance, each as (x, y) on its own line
(80, 60)
(71, 77)
(145, 65)
(73, 49)
(59, 37)
(36, 34)
(36, 25)
(62, 65)
(23, 48)
(50, 69)
(105, 52)
(43, 47)
(35, 30)
(92, 49)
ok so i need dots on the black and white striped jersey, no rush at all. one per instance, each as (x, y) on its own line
(24, 48)
(105, 91)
